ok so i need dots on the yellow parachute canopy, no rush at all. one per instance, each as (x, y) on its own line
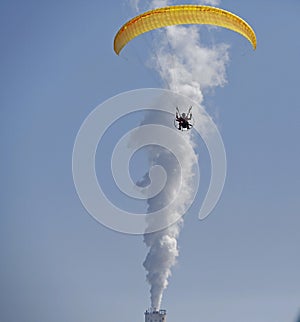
(180, 15)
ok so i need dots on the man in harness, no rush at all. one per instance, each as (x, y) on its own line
(183, 119)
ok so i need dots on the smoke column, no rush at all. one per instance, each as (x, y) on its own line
(163, 247)
(188, 68)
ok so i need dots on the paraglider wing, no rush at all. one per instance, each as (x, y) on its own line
(179, 15)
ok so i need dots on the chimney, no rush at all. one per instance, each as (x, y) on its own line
(154, 315)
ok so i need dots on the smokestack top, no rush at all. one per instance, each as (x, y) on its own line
(153, 310)
(155, 315)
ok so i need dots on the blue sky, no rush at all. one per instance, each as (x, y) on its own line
(57, 263)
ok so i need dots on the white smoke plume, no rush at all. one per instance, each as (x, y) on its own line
(211, 2)
(188, 68)
(163, 247)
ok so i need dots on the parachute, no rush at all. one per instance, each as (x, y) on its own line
(180, 15)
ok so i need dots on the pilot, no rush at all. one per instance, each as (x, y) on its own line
(183, 121)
